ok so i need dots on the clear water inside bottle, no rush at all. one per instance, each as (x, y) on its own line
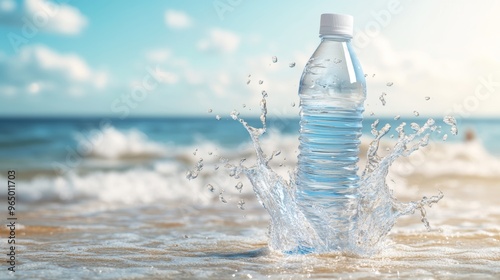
(332, 92)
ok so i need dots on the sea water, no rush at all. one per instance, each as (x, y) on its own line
(124, 209)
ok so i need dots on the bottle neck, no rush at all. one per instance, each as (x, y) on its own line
(338, 38)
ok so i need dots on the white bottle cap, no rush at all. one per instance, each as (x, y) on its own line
(336, 24)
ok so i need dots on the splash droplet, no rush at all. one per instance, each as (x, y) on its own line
(210, 188)
(293, 104)
(415, 126)
(397, 117)
(373, 75)
(239, 186)
(248, 82)
(291, 65)
(372, 114)
(427, 98)
(454, 130)
(234, 114)
(240, 204)
(217, 117)
(445, 137)
(382, 98)
(221, 198)
(244, 105)
(451, 121)
(210, 110)
(389, 84)
(366, 75)
(190, 175)
(194, 153)
(261, 82)
(199, 165)
(374, 130)
(416, 113)
(264, 94)
(337, 60)
(275, 59)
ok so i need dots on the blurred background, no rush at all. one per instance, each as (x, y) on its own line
(75, 58)
(104, 108)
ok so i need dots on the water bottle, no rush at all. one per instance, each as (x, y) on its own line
(332, 91)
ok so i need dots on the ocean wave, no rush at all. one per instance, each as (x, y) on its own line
(164, 177)
(114, 144)
(458, 159)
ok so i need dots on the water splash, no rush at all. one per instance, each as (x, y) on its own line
(375, 208)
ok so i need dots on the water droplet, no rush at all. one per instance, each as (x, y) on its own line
(454, 130)
(397, 117)
(221, 198)
(277, 153)
(392, 136)
(372, 113)
(199, 165)
(373, 75)
(234, 114)
(293, 104)
(427, 98)
(275, 59)
(291, 65)
(389, 84)
(264, 94)
(186, 236)
(244, 105)
(366, 75)
(445, 137)
(248, 82)
(249, 75)
(449, 120)
(210, 188)
(382, 99)
(217, 117)
(374, 125)
(240, 204)
(239, 186)
(416, 113)
(415, 126)
(209, 153)
(194, 153)
(191, 175)
(261, 82)
(337, 60)
(210, 110)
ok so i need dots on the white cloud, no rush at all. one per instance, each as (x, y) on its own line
(61, 18)
(43, 15)
(37, 69)
(192, 76)
(169, 77)
(158, 55)
(7, 5)
(417, 74)
(220, 40)
(177, 19)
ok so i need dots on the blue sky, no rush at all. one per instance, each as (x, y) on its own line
(159, 58)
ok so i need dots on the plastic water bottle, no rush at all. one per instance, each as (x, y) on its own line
(332, 91)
